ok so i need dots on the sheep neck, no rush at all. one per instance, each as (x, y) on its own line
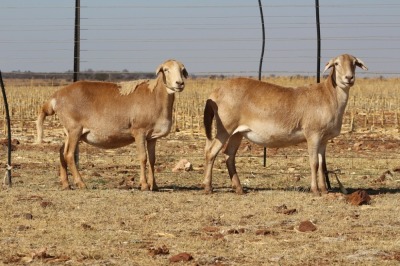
(341, 95)
(164, 99)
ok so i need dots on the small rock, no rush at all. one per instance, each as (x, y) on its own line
(188, 167)
(153, 251)
(358, 198)
(46, 204)
(183, 164)
(86, 226)
(23, 227)
(264, 232)
(28, 216)
(234, 231)
(284, 209)
(181, 257)
(307, 226)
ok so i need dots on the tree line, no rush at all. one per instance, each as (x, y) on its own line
(84, 75)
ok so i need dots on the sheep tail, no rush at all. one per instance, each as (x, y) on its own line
(46, 110)
(208, 118)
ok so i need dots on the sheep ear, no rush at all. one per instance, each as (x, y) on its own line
(361, 64)
(159, 69)
(185, 73)
(328, 65)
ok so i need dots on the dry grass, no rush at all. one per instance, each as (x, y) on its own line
(114, 227)
(111, 225)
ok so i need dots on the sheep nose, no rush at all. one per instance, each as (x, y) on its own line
(180, 83)
(349, 77)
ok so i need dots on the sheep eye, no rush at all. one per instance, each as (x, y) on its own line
(165, 69)
(336, 64)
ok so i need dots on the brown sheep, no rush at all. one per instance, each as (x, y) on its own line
(109, 115)
(276, 116)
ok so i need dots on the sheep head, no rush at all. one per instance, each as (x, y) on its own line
(173, 73)
(344, 69)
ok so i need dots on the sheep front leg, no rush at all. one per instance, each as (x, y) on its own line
(151, 150)
(313, 156)
(142, 156)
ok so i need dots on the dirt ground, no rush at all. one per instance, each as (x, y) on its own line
(114, 223)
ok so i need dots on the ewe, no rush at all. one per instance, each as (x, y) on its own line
(110, 115)
(276, 116)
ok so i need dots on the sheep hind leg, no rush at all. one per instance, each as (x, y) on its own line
(325, 169)
(69, 156)
(230, 154)
(211, 151)
(322, 181)
(63, 170)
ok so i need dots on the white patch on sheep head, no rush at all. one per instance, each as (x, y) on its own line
(173, 73)
(344, 68)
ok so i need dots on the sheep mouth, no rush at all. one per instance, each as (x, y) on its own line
(177, 89)
(348, 83)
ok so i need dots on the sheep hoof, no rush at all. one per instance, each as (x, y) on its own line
(144, 187)
(153, 187)
(237, 187)
(80, 185)
(316, 193)
(324, 192)
(239, 191)
(65, 187)
(208, 189)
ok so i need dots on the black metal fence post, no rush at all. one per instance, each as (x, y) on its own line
(3, 90)
(261, 61)
(77, 39)
(325, 169)
(77, 56)
(318, 41)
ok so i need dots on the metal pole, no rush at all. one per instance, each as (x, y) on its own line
(324, 167)
(261, 61)
(3, 90)
(77, 39)
(318, 40)
(77, 57)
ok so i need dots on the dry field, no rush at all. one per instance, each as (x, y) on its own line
(113, 223)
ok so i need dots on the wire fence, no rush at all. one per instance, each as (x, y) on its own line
(209, 37)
